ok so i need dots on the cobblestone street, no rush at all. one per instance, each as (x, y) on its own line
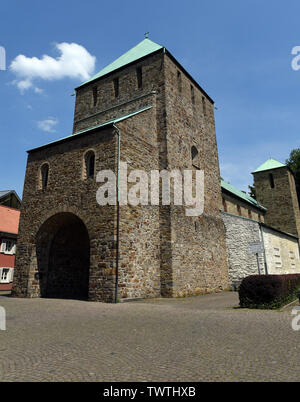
(201, 338)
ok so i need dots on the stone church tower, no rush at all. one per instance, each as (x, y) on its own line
(146, 110)
(276, 190)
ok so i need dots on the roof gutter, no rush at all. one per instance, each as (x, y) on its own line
(8, 234)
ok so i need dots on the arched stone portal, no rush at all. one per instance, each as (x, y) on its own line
(63, 257)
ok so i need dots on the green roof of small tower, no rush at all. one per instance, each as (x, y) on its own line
(269, 164)
(139, 51)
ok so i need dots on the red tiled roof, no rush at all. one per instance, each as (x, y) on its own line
(9, 219)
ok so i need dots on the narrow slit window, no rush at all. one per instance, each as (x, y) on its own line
(179, 82)
(192, 94)
(271, 180)
(44, 175)
(139, 74)
(224, 205)
(90, 164)
(239, 210)
(204, 105)
(95, 95)
(194, 154)
(116, 87)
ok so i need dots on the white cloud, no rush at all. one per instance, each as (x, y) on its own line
(47, 125)
(23, 85)
(74, 62)
(38, 90)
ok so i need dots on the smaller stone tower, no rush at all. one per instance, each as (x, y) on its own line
(276, 190)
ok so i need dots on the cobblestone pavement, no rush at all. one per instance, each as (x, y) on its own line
(201, 338)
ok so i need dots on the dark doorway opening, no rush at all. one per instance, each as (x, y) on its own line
(63, 255)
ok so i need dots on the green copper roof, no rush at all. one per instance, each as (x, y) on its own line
(238, 193)
(142, 49)
(106, 123)
(269, 164)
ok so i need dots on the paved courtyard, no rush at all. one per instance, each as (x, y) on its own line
(201, 338)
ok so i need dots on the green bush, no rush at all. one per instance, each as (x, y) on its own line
(268, 291)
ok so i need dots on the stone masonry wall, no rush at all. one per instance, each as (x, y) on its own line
(67, 193)
(232, 208)
(130, 98)
(199, 262)
(281, 250)
(139, 265)
(239, 233)
(295, 202)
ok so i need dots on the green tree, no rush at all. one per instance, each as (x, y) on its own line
(252, 191)
(293, 162)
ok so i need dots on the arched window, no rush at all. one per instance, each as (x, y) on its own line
(89, 164)
(271, 180)
(44, 175)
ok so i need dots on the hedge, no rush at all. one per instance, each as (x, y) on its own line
(268, 291)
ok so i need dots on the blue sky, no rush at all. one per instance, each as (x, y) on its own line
(238, 50)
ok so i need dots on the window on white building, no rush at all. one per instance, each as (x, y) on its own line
(5, 275)
(277, 257)
(292, 259)
(8, 246)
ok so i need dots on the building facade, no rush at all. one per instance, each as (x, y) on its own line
(280, 255)
(146, 110)
(9, 222)
(10, 199)
(271, 219)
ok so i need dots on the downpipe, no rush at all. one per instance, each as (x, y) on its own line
(118, 215)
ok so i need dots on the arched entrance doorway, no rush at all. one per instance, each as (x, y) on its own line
(63, 257)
